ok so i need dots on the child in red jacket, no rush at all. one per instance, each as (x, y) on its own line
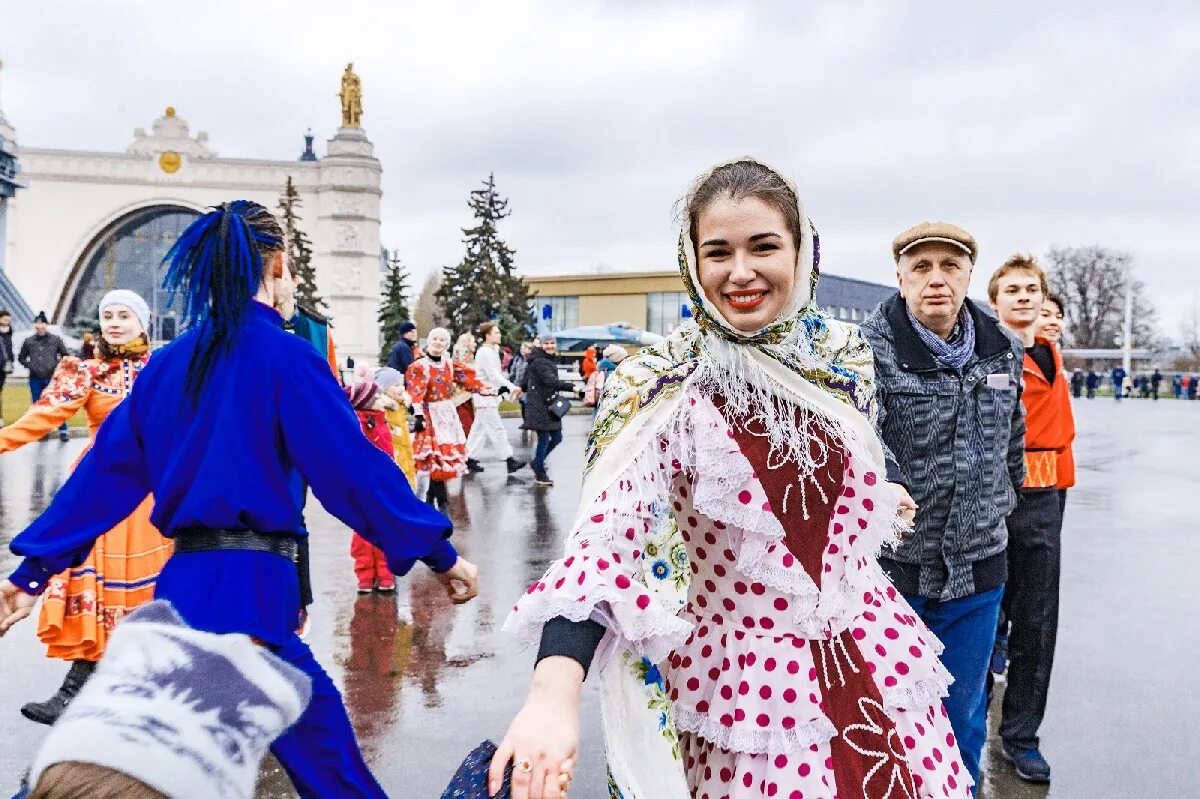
(370, 564)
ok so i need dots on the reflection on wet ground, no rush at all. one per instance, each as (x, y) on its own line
(425, 682)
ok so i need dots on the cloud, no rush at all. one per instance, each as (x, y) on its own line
(1030, 124)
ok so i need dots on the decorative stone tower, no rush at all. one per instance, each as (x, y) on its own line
(347, 236)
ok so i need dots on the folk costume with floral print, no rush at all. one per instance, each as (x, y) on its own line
(83, 604)
(734, 505)
(440, 450)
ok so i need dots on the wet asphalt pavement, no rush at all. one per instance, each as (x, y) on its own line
(425, 682)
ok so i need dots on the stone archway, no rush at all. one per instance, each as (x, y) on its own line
(127, 254)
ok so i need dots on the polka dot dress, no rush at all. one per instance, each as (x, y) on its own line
(795, 669)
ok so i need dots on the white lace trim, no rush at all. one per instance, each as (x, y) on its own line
(920, 695)
(652, 632)
(754, 742)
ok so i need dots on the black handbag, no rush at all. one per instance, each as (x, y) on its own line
(559, 406)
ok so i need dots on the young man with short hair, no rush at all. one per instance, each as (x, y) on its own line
(1016, 292)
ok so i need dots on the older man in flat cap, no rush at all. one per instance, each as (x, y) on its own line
(950, 416)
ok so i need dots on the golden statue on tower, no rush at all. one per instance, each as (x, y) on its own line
(351, 95)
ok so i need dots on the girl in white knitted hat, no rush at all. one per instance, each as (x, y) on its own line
(84, 603)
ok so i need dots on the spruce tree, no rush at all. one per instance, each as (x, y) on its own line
(484, 286)
(393, 305)
(299, 250)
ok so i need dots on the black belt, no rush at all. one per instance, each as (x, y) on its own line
(207, 540)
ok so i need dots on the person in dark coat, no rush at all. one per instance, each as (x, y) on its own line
(541, 386)
(7, 356)
(1093, 383)
(405, 351)
(1077, 380)
(40, 354)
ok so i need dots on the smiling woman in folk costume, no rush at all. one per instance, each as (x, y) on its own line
(84, 603)
(440, 445)
(723, 561)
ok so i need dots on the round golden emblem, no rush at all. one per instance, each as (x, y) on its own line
(170, 161)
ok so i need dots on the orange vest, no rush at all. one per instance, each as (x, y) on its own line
(1049, 425)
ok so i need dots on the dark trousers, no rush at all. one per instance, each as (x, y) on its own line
(1031, 607)
(319, 752)
(547, 440)
(36, 387)
(967, 628)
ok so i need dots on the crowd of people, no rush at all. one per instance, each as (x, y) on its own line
(804, 553)
(1147, 385)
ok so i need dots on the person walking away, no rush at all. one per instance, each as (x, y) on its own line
(406, 350)
(1193, 385)
(1017, 291)
(1118, 376)
(725, 551)
(370, 562)
(542, 385)
(594, 389)
(398, 414)
(440, 445)
(1177, 385)
(206, 433)
(1077, 381)
(84, 604)
(7, 357)
(1093, 383)
(40, 354)
(948, 389)
(488, 439)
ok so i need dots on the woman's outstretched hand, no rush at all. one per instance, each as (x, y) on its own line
(15, 605)
(543, 740)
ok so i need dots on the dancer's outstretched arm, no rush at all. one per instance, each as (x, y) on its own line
(107, 485)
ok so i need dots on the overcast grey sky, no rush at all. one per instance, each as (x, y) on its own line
(1029, 123)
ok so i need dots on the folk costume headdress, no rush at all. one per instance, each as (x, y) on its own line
(802, 372)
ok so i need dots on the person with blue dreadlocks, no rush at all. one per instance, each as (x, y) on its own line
(223, 424)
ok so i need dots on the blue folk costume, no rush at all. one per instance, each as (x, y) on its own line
(223, 425)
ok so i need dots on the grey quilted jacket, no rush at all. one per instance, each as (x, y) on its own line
(956, 441)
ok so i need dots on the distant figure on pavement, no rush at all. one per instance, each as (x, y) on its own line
(40, 354)
(1118, 376)
(1077, 380)
(1177, 385)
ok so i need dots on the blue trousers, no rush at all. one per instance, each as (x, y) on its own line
(320, 752)
(547, 440)
(36, 387)
(967, 627)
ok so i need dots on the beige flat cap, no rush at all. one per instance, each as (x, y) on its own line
(943, 232)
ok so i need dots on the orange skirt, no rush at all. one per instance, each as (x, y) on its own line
(83, 604)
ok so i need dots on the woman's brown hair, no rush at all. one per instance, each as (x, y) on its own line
(737, 181)
(73, 780)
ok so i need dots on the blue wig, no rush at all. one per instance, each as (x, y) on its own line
(216, 265)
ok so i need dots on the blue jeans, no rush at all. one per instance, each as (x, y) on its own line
(36, 387)
(547, 440)
(967, 627)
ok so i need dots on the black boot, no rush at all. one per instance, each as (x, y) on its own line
(48, 712)
(514, 465)
(473, 466)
